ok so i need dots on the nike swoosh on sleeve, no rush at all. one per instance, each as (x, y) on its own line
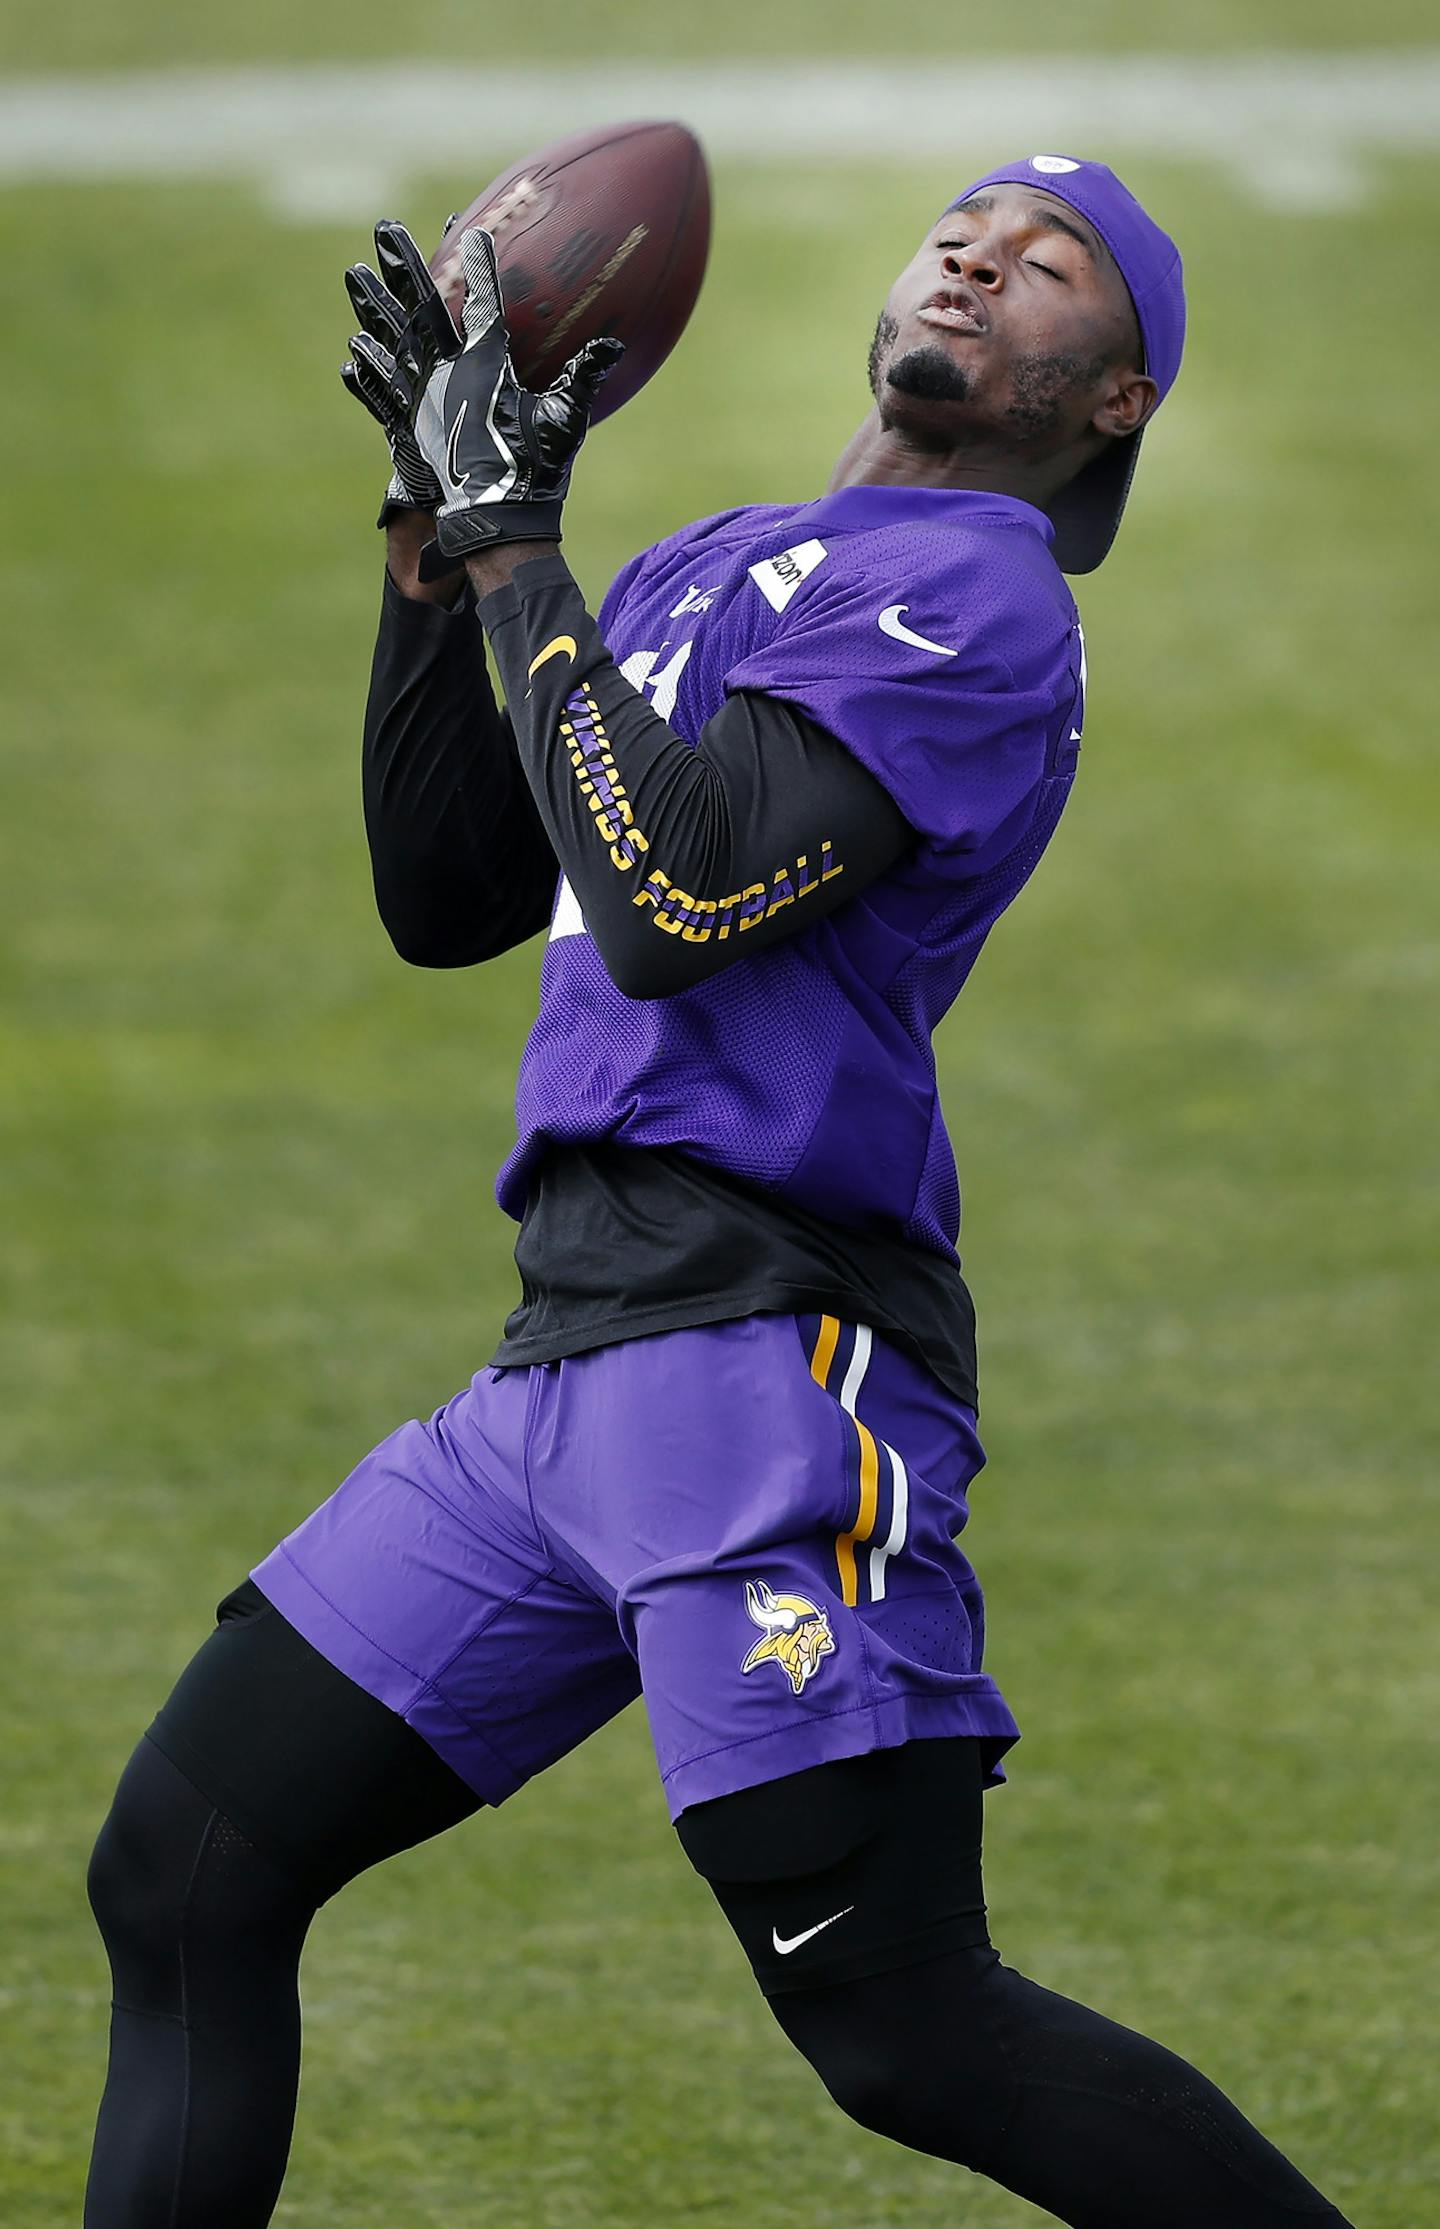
(891, 624)
(563, 646)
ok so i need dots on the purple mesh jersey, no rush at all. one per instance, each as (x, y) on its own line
(932, 632)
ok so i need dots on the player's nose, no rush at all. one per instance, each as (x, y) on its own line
(976, 264)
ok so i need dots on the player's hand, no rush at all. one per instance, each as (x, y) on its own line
(405, 330)
(501, 455)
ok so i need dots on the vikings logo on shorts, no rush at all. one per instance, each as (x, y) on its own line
(797, 1633)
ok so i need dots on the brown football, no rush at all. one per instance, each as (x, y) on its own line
(603, 233)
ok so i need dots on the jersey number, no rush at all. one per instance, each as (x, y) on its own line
(664, 686)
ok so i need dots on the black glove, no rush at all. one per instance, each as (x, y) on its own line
(501, 455)
(406, 328)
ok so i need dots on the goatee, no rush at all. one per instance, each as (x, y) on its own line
(929, 374)
(926, 374)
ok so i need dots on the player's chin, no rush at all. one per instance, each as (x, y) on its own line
(929, 375)
(933, 402)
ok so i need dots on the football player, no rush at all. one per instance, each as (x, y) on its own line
(769, 803)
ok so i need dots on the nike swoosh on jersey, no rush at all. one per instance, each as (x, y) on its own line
(891, 624)
(785, 1947)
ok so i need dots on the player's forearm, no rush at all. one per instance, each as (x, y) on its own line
(494, 568)
(405, 537)
(683, 859)
(462, 866)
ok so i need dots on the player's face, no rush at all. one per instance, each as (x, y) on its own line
(1011, 326)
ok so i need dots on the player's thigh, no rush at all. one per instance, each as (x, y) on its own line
(427, 1581)
(859, 1866)
(312, 1769)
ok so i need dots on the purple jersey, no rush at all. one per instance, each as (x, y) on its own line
(932, 633)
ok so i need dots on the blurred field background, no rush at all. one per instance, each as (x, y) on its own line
(246, 1221)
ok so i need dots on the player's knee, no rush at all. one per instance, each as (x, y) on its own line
(867, 2083)
(916, 2055)
(133, 1876)
(166, 1862)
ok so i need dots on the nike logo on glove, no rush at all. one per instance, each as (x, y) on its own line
(785, 1947)
(458, 479)
(890, 624)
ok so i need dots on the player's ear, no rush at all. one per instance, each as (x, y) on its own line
(1127, 402)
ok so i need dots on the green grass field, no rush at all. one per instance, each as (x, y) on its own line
(70, 34)
(247, 1224)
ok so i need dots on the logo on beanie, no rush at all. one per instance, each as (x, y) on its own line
(1052, 162)
(797, 1633)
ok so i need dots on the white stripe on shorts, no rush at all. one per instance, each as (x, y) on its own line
(859, 1364)
(899, 1517)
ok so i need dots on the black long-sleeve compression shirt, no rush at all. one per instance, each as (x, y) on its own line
(671, 850)
(439, 774)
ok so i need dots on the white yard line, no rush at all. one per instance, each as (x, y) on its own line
(1297, 129)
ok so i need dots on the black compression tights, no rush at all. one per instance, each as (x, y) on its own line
(204, 1920)
(204, 1936)
(967, 2060)
(204, 1901)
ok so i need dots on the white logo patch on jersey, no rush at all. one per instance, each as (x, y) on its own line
(777, 578)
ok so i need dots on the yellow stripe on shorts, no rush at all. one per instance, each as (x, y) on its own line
(847, 1542)
(825, 1346)
(821, 1364)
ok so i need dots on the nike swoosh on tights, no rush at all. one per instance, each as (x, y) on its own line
(785, 1947)
(890, 624)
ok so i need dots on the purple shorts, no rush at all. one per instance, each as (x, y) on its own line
(750, 1523)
